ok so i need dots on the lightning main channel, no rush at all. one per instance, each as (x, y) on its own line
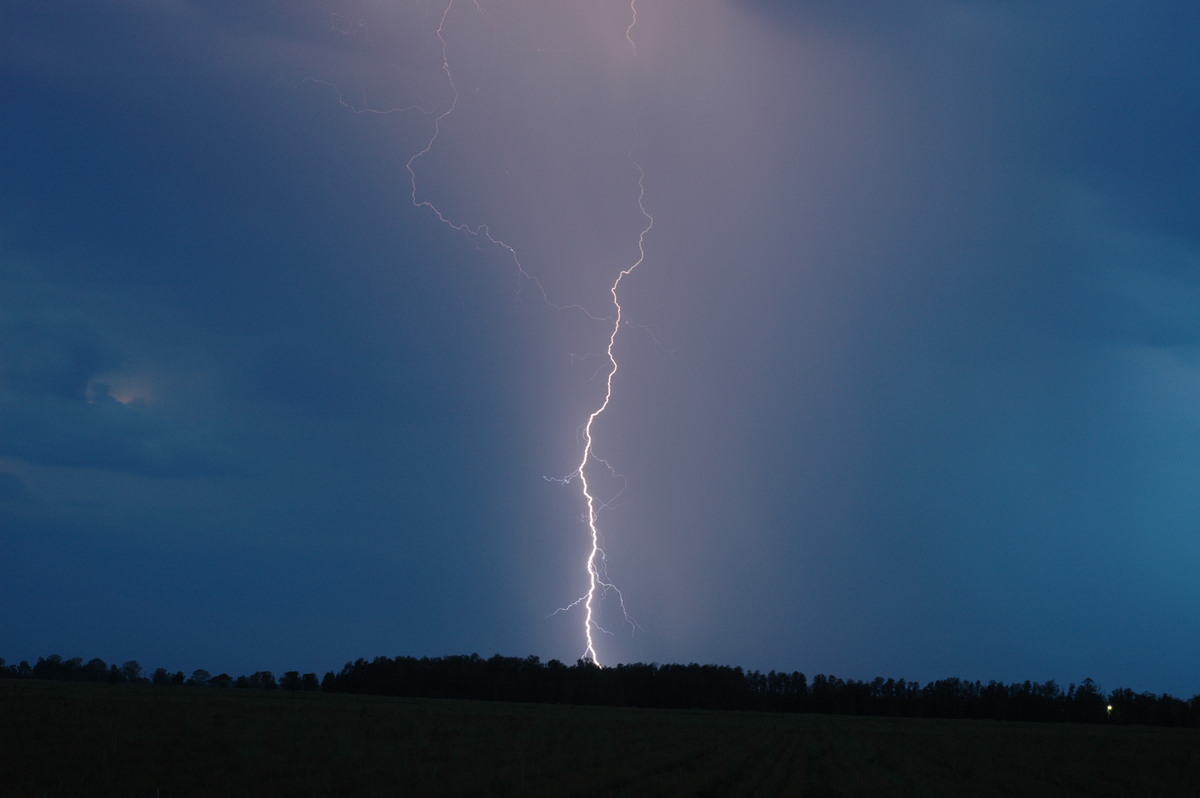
(599, 585)
(598, 581)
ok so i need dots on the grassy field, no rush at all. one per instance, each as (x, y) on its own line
(65, 739)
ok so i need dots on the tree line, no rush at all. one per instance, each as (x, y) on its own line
(713, 687)
(55, 668)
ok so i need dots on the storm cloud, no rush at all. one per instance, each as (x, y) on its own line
(908, 385)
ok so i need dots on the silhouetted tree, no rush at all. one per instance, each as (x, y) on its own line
(96, 670)
(131, 672)
(50, 667)
(263, 680)
(1086, 704)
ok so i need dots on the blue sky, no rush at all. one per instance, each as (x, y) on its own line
(908, 384)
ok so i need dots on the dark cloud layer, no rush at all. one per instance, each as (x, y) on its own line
(907, 388)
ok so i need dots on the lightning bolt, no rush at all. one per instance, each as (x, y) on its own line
(598, 583)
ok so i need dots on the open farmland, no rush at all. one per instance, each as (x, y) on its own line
(66, 739)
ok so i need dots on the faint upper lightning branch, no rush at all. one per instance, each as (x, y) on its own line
(479, 231)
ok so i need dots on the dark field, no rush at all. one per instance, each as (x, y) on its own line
(65, 739)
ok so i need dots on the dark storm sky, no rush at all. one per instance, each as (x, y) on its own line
(909, 385)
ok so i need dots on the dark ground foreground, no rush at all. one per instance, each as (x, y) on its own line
(66, 739)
